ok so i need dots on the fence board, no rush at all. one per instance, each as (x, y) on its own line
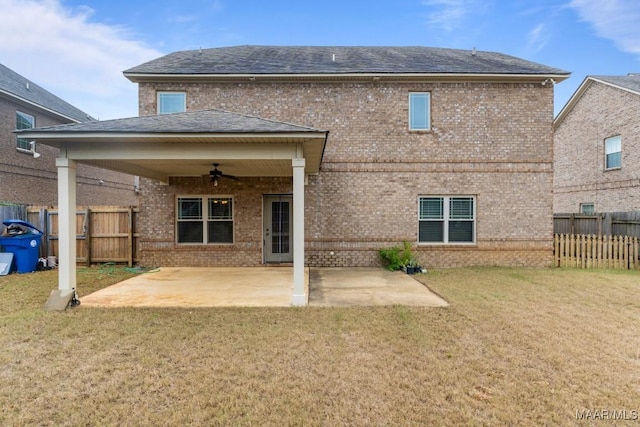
(592, 251)
(13, 212)
(103, 234)
(610, 223)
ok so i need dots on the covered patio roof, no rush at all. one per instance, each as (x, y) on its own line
(182, 144)
(187, 144)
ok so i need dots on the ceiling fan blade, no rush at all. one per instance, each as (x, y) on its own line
(223, 175)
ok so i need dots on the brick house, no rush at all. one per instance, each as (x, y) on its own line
(337, 152)
(27, 179)
(597, 147)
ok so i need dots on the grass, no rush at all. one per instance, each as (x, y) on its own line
(515, 347)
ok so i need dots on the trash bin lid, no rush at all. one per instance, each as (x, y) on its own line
(20, 222)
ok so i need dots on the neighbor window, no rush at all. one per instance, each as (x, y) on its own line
(205, 220)
(613, 152)
(24, 121)
(172, 102)
(446, 219)
(419, 111)
(587, 208)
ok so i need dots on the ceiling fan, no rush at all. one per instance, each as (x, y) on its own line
(216, 174)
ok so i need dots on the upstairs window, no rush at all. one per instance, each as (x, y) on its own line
(24, 121)
(419, 111)
(446, 220)
(613, 152)
(172, 102)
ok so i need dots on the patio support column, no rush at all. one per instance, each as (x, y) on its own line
(66, 224)
(299, 291)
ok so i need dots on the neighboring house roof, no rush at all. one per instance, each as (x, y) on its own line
(337, 60)
(194, 122)
(19, 88)
(629, 83)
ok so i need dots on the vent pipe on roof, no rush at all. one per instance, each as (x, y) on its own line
(27, 85)
(333, 58)
(473, 52)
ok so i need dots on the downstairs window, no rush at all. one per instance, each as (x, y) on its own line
(446, 220)
(204, 220)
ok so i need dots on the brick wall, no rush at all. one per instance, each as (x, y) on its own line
(580, 177)
(492, 141)
(26, 180)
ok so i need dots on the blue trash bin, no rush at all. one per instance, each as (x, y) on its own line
(23, 241)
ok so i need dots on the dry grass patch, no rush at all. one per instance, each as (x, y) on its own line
(526, 347)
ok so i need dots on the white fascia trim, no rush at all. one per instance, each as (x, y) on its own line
(147, 135)
(138, 77)
(38, 106)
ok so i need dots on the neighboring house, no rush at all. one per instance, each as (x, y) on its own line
(30, 179)
(338, 152)
(597, 147)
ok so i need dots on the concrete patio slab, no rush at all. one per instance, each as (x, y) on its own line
(200, 287)
(336, 287)
(262, 287)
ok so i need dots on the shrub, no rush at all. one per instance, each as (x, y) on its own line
(395, 258)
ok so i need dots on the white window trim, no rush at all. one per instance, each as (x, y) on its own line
(611, 138)
(204, 199)
(428, 128)
(33, 125)
(446, 220)
(164, 92)
(582, 206)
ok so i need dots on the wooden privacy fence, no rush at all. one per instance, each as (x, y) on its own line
(103, 234)
(592, 251)
(609, 224)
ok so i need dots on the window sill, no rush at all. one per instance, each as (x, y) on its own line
(448, 245)
(214, 245)
(613, 169)
(23, 150)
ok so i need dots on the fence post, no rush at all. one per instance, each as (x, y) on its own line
(87, 235)
(130, 237)
(572, 223)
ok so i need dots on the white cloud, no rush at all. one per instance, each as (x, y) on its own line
(76, 59)
(450, 14)
(537, 38)
(616, 20)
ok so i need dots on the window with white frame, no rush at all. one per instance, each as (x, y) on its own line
(172, 102)
(613, 152)
(204, 219)
(24, 121)
(419, 111)
(446, 219)
(587, 208)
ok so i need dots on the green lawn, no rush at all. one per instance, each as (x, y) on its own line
(515, 347)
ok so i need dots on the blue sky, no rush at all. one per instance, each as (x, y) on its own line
(78, 49)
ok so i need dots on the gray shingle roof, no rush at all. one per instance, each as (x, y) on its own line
(338, 60)
(205, 121)
(19, 87)
(630, 81)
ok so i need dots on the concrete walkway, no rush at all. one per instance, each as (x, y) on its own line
(262, 287)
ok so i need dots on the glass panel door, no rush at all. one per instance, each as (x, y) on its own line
(278, 229)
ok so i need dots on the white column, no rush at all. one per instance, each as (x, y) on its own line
(66, 223)
(299, 291)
